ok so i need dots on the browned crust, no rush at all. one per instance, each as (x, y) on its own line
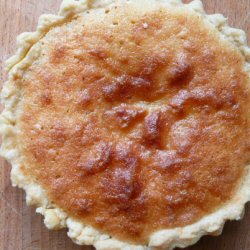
(126, 170)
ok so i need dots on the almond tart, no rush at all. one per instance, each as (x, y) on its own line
(129, 121)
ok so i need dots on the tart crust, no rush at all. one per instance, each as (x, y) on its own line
(54, 217)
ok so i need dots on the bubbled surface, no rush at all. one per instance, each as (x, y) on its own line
(135, 122)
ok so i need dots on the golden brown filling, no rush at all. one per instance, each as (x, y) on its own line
(136, 122)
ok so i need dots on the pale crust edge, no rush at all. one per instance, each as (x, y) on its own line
(55, 218)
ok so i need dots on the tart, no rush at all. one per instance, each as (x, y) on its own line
(128, 122)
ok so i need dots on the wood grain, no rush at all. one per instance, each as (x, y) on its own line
(20, 227)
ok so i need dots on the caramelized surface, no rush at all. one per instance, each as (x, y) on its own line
(136, 122)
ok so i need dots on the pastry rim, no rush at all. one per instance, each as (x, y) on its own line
(54, 217)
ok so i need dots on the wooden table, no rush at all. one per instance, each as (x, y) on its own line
(20, 227)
